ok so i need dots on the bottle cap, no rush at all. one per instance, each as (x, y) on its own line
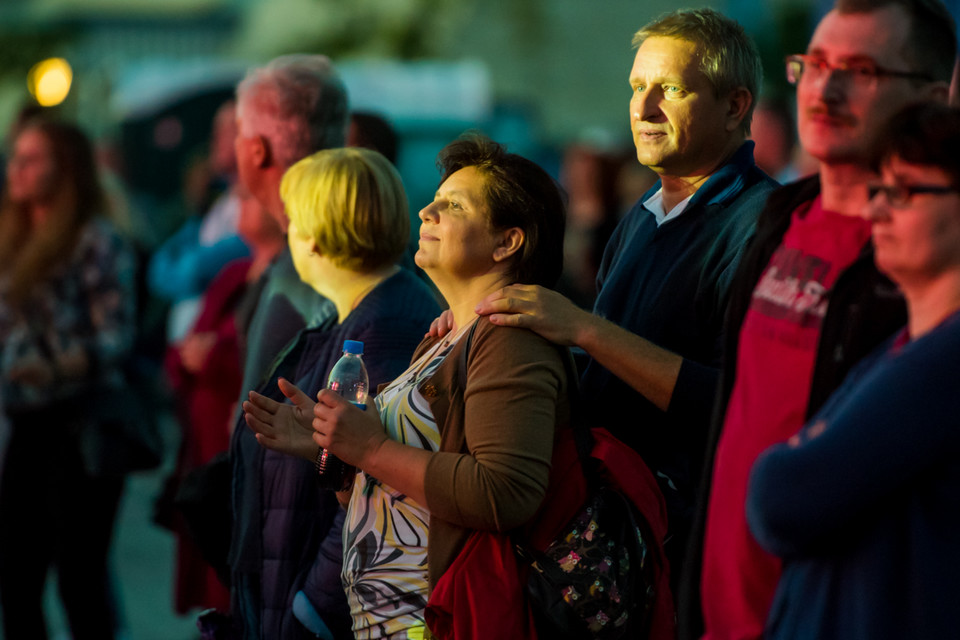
(353, 346)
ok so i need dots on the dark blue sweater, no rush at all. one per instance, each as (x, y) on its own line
(669, 284)
(866, 513)
(286, 529)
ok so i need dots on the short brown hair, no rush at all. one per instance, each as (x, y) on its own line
(518, 193)
(926, 134)
(932, 41)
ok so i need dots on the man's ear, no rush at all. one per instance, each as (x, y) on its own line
(739, 101)
(259, 150)
(511, 241)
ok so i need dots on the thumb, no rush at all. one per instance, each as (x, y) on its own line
(329, 398)
(293, 392)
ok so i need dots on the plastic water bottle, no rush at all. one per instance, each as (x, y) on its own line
(348, 378)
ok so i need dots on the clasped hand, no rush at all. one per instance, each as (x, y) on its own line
(298, 428)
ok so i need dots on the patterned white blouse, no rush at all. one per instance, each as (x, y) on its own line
(385, 534)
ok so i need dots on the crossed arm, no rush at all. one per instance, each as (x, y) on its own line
(886, 437)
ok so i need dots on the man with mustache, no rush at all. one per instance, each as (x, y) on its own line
(807, 301)
(653, 339)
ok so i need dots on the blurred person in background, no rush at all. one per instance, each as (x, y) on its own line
(633, 180)
(182, 268)
(204, 370)
(286, 110)
(442, 457)
(590, 175)
(28, 111)
(863, 505)
(67, 324)
(372, 131)
(774, 134)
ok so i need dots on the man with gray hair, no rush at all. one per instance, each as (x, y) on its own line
(286, 531)
(286, 110)
(653, 339)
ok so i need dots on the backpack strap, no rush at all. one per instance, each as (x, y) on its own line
(582, 437)
(464, 354)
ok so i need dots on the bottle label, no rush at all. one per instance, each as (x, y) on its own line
(359, 405)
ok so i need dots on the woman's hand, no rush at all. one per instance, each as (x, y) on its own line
(442, 325)
(539, 309)
(352, 435)
(282, 427)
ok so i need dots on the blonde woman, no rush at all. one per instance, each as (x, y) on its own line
(349, 225)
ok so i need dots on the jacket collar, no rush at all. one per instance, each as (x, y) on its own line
(726, 183)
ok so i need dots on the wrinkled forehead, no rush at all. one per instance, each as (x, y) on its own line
(879, 35)
(667, 57)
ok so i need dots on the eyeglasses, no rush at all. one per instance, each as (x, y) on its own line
(860, 74)
(899, 195)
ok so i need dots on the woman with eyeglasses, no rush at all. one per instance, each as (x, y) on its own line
(863, 505)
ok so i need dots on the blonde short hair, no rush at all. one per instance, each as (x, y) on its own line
(352, 203)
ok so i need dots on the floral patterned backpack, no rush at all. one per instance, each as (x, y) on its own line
(603, 574)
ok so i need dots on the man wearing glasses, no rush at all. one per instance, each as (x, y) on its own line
(807, 301)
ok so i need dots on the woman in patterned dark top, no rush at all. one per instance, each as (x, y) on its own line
(66, 325)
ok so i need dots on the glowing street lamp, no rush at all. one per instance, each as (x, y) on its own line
(49, 81)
